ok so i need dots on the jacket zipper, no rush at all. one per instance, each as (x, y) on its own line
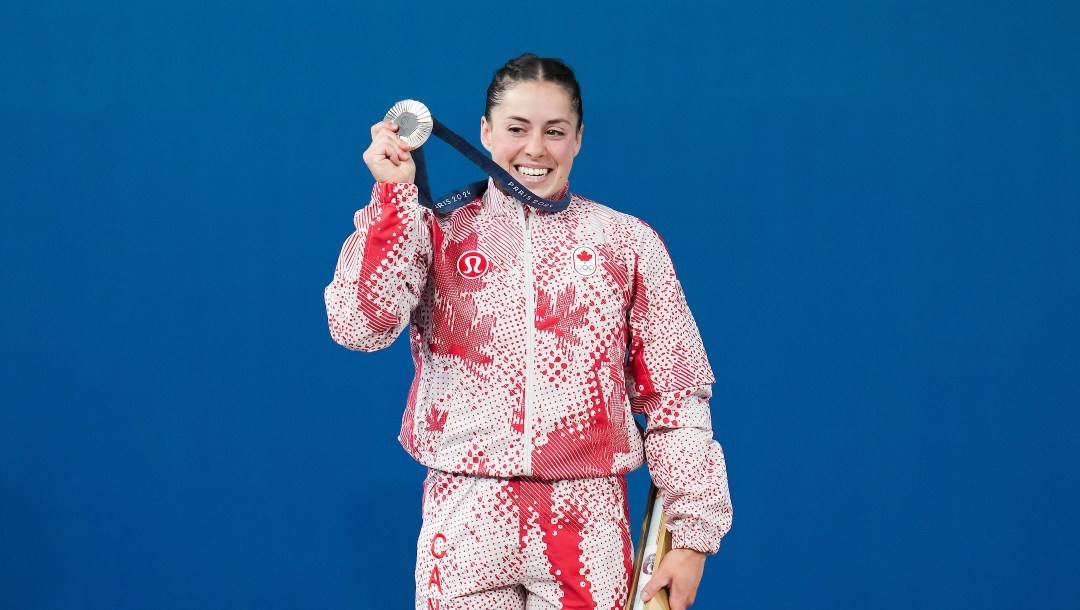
(530, 330)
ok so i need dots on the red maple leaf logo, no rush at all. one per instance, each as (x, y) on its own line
(436, 419)
(584, 256)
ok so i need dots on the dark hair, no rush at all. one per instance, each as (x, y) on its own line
(529, 67)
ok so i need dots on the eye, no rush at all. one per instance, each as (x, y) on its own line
(516, 130)
(556, 133)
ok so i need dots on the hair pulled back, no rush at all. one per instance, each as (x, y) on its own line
(529, 67)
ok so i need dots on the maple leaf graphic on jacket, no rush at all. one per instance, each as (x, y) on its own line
(584, 256)
(563, 319)
(436, 419)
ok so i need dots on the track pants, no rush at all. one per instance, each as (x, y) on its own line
(523, 544)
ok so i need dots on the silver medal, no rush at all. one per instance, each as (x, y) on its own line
(413, 120)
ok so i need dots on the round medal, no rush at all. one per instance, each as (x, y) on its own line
(413, 120)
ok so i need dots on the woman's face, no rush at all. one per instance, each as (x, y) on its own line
(534, 135)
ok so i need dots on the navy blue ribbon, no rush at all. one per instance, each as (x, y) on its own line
(459, 197)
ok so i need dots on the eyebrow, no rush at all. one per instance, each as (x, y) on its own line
(524, 120)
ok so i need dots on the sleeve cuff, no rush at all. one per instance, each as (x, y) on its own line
(395, 192)
(695, 534)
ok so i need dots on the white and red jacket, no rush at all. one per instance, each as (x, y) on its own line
(534, 335)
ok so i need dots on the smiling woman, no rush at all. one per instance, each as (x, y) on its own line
(537, 335)
(532, 122)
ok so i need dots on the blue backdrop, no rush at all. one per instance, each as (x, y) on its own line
(873, 208)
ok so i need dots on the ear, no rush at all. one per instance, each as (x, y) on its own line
(485, 133)
(577, 143)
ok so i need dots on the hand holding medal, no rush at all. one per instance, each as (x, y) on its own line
(404, 129)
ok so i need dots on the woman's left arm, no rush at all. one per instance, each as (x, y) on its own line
(672, 381)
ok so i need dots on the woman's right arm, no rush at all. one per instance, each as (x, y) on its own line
(383, 265)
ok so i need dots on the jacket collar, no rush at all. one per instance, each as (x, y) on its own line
(495, 200)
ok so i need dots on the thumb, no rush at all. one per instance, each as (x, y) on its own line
(657, 582)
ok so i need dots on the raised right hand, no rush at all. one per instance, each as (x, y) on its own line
(388, 157)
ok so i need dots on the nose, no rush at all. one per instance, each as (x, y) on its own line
(535, 146)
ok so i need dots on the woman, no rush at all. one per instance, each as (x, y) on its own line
(535, 336)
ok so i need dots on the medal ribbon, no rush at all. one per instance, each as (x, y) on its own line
(459, 197)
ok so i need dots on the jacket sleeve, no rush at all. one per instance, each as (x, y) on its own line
(670, 383)
(381, 271)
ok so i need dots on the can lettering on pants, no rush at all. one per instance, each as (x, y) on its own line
(438, 551)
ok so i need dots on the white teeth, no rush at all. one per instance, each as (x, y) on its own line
(533, 171)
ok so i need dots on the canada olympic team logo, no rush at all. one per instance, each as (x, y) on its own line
(472, 264)
(585, 261)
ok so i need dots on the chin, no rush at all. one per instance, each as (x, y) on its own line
(547, 189)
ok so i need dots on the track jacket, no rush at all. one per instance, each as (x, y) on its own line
(534, 335)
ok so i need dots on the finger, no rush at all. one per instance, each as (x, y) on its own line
(379, 150)
(390, 129)
(391, 139)
(681, 592)
(396, 150)
(375, 157)
(386, 136)
(405, 147)
(390, 147)
(383, 126)
(678, 600)
(657, 582)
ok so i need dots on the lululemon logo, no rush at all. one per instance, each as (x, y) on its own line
(585, 261)
(472, 264)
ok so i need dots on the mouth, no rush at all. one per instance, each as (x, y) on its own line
(532, 174)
